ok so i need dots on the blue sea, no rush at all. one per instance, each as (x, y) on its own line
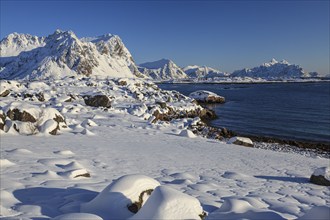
(292, 111)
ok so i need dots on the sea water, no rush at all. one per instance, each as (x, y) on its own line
(294, 111)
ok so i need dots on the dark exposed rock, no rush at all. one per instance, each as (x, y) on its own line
(98, 101)
(17, 115)
(40, 96)
(83, 175)
(162, 104)
(5, 93)
(215, 99)
(136, 206)
(319, 180)
(122, 83)
(204, 114)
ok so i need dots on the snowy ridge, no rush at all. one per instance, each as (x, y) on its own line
(203, 72)
(62, 54)
(162, 70)
(273, 70)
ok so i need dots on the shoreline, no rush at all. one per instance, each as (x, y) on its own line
(262, 82)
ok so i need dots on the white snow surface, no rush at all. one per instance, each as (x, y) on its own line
(195, 71)
(242, 139)
(39, 173)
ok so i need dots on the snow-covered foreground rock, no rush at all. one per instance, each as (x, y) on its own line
(81, 172)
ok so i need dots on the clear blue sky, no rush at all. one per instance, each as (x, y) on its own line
(228, 35)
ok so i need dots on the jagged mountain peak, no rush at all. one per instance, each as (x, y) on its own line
(62, 54)
(195, 71)
(163, 69)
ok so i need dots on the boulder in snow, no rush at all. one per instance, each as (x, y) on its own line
(241, 141)
(206, 97)
(98, 100)
(187, 133)
(168, 203)
(117, 200)
(321, 176)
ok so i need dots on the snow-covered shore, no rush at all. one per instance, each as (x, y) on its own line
(44, 176)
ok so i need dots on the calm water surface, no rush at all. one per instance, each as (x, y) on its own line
(296, 111)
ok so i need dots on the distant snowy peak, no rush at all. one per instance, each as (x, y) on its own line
(274, 70)
(195, 71)
(15, 43)
(64, 54)
(163, 69)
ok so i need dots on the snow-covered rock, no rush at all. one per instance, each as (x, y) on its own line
(206, 97)
(63, 54)
(30, 119)
(241, 141)
(114, 201)
(187, 133)
(162, 70)
(321, 176)
(168, 203)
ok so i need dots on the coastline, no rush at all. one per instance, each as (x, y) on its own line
(242, 82)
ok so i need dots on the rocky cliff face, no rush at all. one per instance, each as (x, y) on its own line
(62, 54)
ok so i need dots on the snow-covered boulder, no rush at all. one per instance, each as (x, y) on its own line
(30, 119)
(122, 198)
(206, 97)
(321, 176)
(187, 133)
(168, 203)
(241, 141)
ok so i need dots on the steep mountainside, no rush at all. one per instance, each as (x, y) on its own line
(162, 70)
(203, 72)
(273, 70)
(63, 54)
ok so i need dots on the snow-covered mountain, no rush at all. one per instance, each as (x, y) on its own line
(63, 54)
(163, 69)
(274, 70)
(195, 71)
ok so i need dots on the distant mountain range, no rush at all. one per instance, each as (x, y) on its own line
(62, 54)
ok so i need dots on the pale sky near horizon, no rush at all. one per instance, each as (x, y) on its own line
(227, 35)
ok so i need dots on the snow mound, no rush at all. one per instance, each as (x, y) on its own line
(88, 123)
(64, 152)
(6, 163)
(77, 216)
(113, 201)
(168, 203)
(187, 133)
(235, 208)
(75, 173)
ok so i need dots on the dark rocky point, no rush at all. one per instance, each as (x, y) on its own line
(98, 101)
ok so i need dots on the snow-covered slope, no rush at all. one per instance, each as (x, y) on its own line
(63, 54)
(162, 70)
(273, 70)
(195, 71)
